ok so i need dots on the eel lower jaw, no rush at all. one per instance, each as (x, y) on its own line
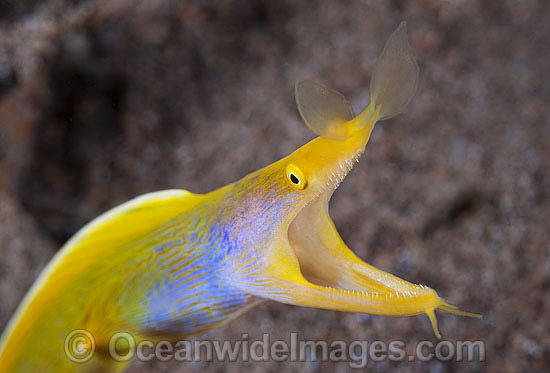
(335, 278)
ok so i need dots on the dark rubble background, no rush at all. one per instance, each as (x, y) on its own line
(101, 101)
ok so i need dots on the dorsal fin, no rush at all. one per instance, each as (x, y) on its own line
(100, 240)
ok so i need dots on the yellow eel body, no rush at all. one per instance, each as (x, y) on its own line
(172, 264)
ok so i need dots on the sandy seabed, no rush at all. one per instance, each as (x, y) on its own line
(103, 100)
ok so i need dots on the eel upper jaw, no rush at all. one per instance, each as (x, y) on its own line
(322, 257)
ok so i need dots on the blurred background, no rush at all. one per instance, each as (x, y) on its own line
(103, 100)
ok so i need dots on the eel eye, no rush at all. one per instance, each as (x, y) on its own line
(295, 177)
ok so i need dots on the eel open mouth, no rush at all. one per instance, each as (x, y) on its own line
(325, 273)
(326, 261)
(339, 280)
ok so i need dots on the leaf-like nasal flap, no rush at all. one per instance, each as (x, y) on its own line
(395, 75)
(324, 110)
